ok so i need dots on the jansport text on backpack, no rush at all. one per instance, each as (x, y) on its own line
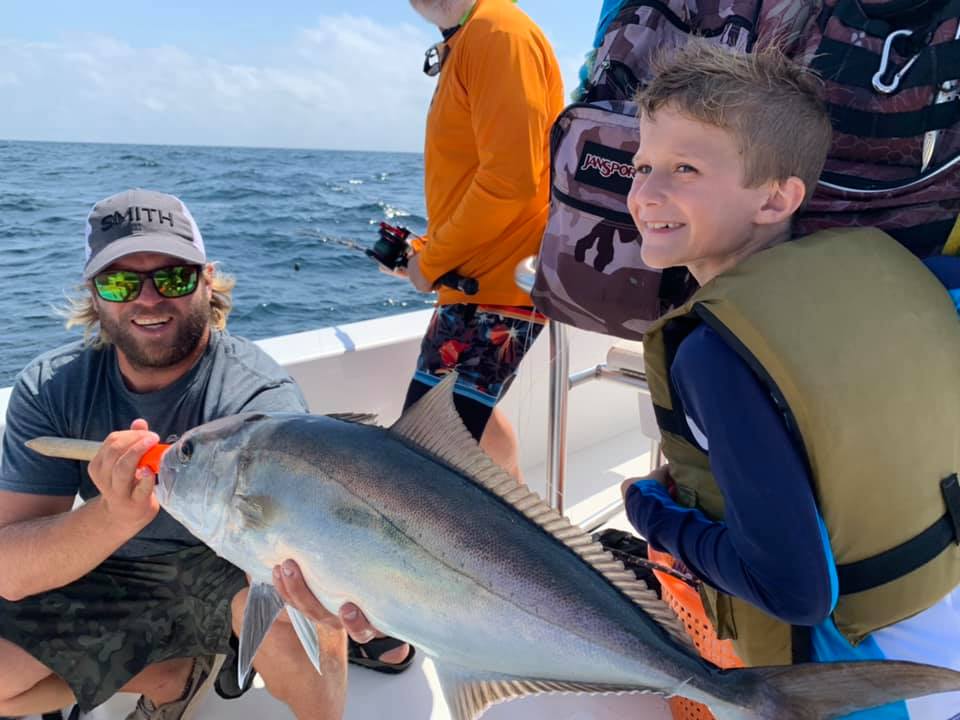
(591, 275)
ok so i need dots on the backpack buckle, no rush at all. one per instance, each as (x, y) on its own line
(879, 82)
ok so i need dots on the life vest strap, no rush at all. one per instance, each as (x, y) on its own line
(896, 562)
(951, 496)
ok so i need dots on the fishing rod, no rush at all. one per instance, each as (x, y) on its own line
(392, 251)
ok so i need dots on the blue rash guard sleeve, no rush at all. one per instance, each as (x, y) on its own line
(947, 270)
(772, 548)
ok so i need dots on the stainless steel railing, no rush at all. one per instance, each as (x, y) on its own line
(561, 382)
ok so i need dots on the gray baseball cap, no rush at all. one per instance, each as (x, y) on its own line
(138, 221)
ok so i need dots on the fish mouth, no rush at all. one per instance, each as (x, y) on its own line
(166, 479)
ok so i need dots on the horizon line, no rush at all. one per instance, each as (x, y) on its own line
(201, 145)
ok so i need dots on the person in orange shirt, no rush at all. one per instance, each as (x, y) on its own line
(487, 187)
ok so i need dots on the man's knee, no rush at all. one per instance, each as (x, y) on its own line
(237, 606)
(19, 671)
(162, 679)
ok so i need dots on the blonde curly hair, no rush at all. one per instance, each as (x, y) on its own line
(81, 311)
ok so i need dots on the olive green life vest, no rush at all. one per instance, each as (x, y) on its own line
(859, 345)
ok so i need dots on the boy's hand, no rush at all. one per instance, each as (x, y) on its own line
(126, 491)
(661, 475)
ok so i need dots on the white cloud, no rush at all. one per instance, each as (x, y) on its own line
(346, 83)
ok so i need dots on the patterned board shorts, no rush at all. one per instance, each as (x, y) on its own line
(483, 343)
(103, 629)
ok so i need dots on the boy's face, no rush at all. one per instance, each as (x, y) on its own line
(688, 198)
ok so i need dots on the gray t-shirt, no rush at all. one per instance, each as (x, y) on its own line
(77, 392)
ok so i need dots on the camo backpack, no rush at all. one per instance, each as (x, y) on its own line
(890, 69)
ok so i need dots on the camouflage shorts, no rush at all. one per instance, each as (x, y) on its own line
(103, 629)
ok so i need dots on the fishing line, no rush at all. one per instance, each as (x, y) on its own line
(343, 242)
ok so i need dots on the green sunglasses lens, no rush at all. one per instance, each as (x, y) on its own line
(177, 281)
(119, 286)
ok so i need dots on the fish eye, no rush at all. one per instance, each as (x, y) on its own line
(185, 451)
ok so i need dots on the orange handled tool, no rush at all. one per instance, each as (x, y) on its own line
(151, 458)
(71, 449)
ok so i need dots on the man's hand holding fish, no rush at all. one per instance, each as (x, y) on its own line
(126, 491)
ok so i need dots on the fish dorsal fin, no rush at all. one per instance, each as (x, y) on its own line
(433, 424)
(468, 696)
(359, 418)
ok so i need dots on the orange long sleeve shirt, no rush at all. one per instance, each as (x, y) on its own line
(487, 155)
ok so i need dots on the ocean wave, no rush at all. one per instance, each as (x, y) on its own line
(137, 160)
(225, 194)
(20, 231)
(20, 203)
(376, 211)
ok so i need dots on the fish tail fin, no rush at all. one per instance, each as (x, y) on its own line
(815, 691)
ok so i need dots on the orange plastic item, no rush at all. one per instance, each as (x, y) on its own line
(151, 458)
(686, 603)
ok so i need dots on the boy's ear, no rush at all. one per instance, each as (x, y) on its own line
(782, 202)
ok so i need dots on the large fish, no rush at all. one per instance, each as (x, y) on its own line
(443, 549)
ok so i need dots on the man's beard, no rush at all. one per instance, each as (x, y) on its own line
(433, 11)
(140, 355)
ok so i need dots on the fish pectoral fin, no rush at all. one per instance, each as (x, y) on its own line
(254, 511)
(307, 632)
(468, 695)
(263, 606)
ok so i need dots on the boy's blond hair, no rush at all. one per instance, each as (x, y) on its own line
(771, 105)
(80, 310)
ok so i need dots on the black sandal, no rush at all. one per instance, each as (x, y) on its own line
(368, 654)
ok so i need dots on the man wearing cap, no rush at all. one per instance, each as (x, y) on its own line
(114, 595)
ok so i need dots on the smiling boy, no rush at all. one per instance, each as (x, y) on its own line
(812, 479)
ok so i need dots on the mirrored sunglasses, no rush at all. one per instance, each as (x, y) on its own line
(125, 285)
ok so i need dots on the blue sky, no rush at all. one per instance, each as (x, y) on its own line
(291, 73)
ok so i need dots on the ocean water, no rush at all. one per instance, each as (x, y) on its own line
(270, 217)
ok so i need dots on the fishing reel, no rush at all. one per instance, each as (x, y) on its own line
(392, 251)
(391, 247)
